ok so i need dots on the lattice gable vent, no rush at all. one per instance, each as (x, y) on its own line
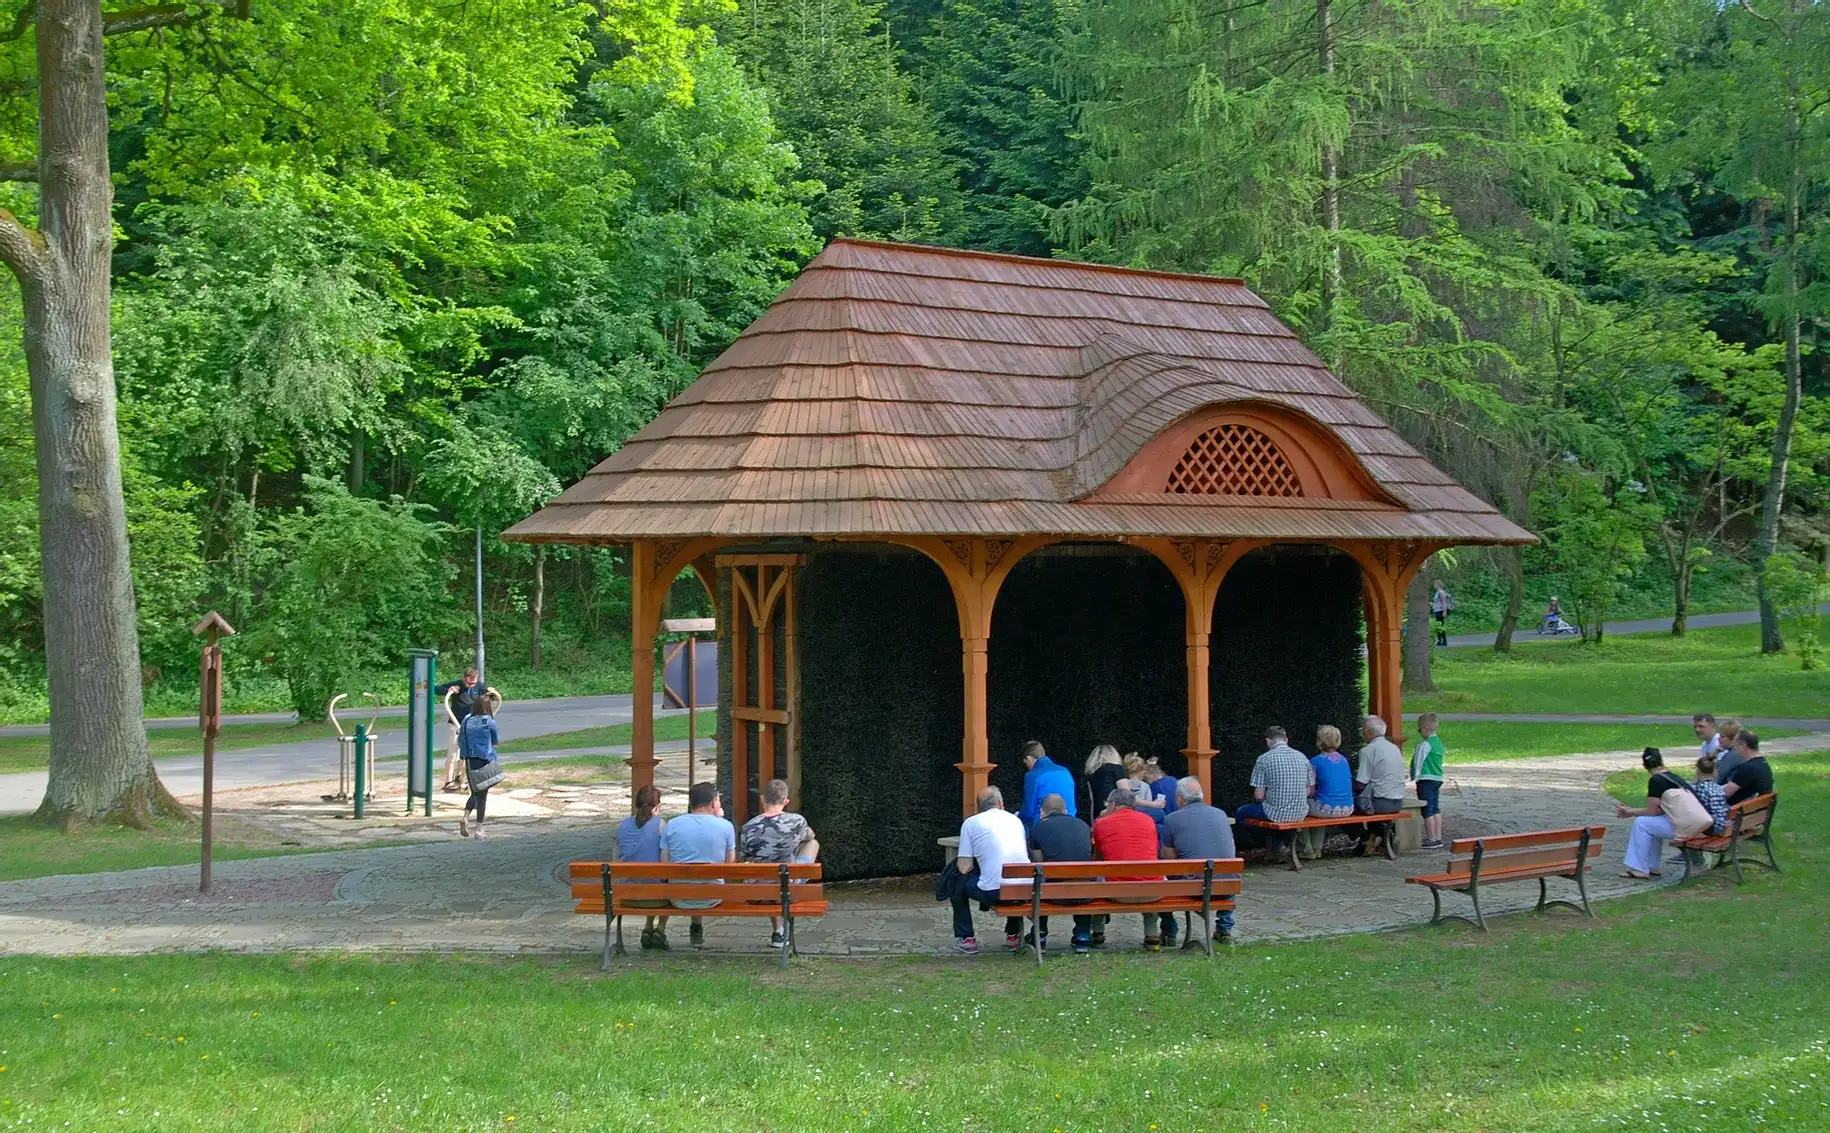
(1233, 460)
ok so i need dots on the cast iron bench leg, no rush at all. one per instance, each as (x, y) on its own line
(610, 924)
(1391, 841)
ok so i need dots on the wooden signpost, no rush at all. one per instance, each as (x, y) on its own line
(209, 719)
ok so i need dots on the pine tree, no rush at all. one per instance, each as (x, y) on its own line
(837, 95)
(998, 79)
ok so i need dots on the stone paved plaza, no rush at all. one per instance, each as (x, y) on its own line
(509, 894)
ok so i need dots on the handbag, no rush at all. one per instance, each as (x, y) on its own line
(1688, 816)
(484, 776)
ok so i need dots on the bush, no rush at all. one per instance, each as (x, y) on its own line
(356, 582)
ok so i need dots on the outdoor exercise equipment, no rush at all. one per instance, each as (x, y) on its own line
(355, 755)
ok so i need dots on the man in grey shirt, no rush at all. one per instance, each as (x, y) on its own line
(1197, 831)
(1380, 776)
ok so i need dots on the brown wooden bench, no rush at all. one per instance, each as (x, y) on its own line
(1474, 862)
(1389, 821)
(743, 889)
(1750, 821)
(1068, 889)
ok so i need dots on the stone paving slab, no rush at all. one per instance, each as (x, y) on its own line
(508, 895)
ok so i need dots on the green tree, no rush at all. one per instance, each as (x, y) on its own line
(996, 74)
(834, 86)
(355, 581)
(1748, 113)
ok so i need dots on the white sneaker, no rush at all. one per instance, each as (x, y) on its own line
(463, 828)
(477, 831)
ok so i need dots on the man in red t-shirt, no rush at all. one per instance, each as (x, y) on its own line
(1125, 834)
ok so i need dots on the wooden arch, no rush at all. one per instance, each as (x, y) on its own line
(1286, 445)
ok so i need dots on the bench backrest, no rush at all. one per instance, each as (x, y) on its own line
(1075, 881)
(1754, 815)
(709, 881)
(1524, 851)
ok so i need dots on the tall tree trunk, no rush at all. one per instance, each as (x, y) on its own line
(99, 767)
(1419, 636)
(1513, 559)
(1773, 502)
(1331, 179)
(539, 604)
(358, 452)
(1683, 572)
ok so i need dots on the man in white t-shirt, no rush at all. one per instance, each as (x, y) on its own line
(988, 841)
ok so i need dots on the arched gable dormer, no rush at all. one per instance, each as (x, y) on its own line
(1242, 451)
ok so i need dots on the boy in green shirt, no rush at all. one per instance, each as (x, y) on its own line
(1426, 768)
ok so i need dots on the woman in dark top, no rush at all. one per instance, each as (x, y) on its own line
(1103, 771)
(1651, 829)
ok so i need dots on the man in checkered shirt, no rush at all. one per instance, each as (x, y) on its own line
(1281, 780)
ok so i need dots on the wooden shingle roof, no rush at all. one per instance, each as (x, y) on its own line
(894, 389)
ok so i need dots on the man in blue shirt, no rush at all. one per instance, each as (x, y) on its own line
(1045, 777)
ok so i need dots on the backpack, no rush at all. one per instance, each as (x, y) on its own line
(473, 738)
(1688, 816)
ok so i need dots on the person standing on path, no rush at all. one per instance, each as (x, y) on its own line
(1441, 603)
(461, 699)
(477, 737)
(1103, 771)
(1043, 777)
(1426, 769)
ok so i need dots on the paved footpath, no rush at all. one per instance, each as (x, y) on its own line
(509, 895)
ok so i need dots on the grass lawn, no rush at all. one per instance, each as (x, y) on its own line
(1546, 1024)
(28, 849)
(1708, 670)
(33, 753)
(1473, 742)
(670, 727)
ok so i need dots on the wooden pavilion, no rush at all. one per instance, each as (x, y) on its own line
(906, 429)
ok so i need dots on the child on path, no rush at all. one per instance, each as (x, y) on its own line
(1426, 768)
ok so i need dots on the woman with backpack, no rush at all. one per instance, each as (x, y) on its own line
(477, 739)
(1671, 811)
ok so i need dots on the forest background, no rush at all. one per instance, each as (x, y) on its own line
(390, 271)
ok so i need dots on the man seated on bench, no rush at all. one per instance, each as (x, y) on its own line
(1126, 834)
(1281, 780)
(1198, 831)
(1380, 776)
(1061, 837)
(778, 836)
(703, 834)
(988, 841)
(1752, 776)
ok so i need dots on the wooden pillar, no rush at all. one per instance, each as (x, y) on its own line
(1199, 566)
(1387, 570)
(653, 566)
(975, 766)
(975, 569)
(646, 594)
